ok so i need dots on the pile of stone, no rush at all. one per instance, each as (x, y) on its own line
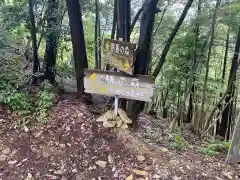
(109, 120)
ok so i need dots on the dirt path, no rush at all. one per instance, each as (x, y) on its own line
(71, 144)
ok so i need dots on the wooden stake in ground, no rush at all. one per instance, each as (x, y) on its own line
(234, 150)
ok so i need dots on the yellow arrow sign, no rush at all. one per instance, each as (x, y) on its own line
(93, 77)
(126, 66)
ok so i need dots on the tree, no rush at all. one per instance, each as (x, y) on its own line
(52, 38)
(224, 129)
(171, 37)
(143, 52)
(97, 33)
(36, 64)
(78, 42)
(212, 32)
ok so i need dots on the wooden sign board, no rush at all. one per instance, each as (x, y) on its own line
(139, 87)
(119, 54)
(234, 150)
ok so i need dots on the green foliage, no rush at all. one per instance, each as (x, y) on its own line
(214, 147)
(44, 101)
(176, 141)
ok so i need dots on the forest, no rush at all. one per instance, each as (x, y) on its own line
(53, 127)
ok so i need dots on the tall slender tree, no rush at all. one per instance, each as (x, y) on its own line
(143, 52)
(52, 37)
(224, 129)
(78, 42)
(171, 37)
(36, 64)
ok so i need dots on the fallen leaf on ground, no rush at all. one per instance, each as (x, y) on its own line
(139, 172)
(102, 164)
(140, 158)
(26, 129)
(58, 172)
(228, 175)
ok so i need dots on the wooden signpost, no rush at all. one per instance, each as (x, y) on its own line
(119, 54)
(123, 84)
(117, 84)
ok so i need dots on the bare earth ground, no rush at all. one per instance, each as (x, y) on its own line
(69, 146)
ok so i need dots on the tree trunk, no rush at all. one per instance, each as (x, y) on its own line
(171, 37)
(227, 112)
(124, 22)
(36, 64)
(124, 19)
(99, 41)
(142, 53)
(114, 23)
(223, 76)
(96, 39)
(194, 66)
(52, 37)
(201, 121)
(78, 42)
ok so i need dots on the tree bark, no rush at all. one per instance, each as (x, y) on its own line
(96, 39)
(142, 53)
(194, 66)
(78, 42)
(223, 76)
(171, 37)
(52, 37)
(207, 62)
(36, 64)
(227, 112)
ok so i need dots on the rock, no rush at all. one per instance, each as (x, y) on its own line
(102, 118)
(74, 170)
(58, 172)
(109, 124)
(139, 172)
(163, 149)
(124, 116)
(6, 151)
(12, 162)
(62, 146)
(109, 115)
(156, 176)
(110, 159)
(130, 177)
(140, 158)
(119, 122)
(101, 164)
(124, 126)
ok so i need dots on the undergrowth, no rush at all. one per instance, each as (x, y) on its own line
(214, 147)
(27, 108)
